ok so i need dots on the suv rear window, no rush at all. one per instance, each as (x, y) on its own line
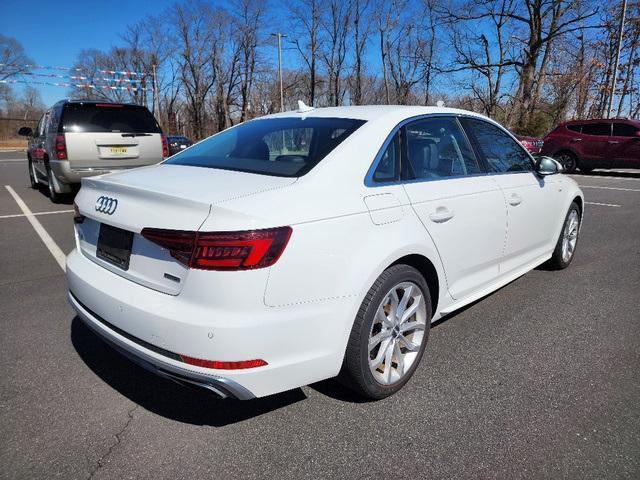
(624, 129)
(107, 117)
(282, 147)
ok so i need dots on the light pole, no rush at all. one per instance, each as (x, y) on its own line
(617, 61)
(280, 37)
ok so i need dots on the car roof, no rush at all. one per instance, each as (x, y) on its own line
(373, 112)
(601, 120)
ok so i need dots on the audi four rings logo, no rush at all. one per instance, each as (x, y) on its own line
(106, 205)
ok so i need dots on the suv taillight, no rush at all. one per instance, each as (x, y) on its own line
(244, 250)
(61, 147)
(165, 147)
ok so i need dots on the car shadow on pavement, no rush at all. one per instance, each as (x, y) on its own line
(164, 397)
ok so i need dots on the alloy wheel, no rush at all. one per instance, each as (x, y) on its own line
(397, 333)
(570, 236)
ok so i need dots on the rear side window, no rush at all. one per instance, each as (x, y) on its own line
(596, 129)
(624, 130)
(502, 153)
(283, 147)
(574, 127)
(437, 148)
(98, 118)
(388, 168)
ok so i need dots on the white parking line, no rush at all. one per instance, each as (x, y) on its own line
(13, 160)
(612, 188)
(53, 247)
(15, 215)
(603, 204)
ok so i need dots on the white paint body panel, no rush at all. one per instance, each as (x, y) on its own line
(297, 314)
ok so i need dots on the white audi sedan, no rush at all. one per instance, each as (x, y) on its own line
(312, 244)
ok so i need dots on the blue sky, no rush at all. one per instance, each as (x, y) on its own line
(53, 32)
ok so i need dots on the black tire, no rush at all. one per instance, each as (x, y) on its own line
(557, 260)
(54, 196)
(32, 178)
(356, 373)
(568, 160)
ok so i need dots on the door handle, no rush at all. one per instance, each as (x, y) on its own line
(612, 142)
(515, 199)
(442, 214)
(574, 140)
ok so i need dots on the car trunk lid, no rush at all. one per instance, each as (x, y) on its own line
(117, 207)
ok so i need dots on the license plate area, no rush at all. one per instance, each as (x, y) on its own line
(118, 150)
(114, 246)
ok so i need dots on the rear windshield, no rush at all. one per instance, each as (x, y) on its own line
(283, 147)
(108, 118)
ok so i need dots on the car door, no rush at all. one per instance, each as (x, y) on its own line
(459, 206)
(624, 145)
(531, 201)
(594, 145)
(37, 147)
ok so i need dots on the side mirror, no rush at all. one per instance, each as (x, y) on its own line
(547, 166)
(25, 132)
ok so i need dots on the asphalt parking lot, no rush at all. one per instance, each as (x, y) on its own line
(539, 380)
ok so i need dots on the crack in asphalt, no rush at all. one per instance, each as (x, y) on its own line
(117, 442)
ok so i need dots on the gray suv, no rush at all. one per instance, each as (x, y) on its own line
(76, 139)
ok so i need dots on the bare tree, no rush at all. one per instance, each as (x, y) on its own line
(13, 59)
(361, 31)
(195, 44)
(305, 18)
(336, 24)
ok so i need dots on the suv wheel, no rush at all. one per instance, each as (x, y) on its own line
(53, 195)
(568, 160)
(389, 334)
(33, 178)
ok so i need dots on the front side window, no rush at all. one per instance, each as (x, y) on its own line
(437, 148)
(283, 147)
(597, 129)
(575, 127)
(502, 153)
(624, 130)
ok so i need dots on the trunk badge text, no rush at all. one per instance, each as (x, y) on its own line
(106, 205)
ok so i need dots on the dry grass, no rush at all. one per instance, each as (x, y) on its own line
(17, 144)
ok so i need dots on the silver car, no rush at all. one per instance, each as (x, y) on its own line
(76, 139)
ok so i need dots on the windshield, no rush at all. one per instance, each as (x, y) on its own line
(108, 117)
(283, 147)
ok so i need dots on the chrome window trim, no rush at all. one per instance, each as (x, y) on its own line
(371, 183)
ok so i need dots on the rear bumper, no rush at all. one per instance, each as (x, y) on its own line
(221, 316)
(65, 172)
(219, 386)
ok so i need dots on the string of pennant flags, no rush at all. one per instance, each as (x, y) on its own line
(81, 85)
(81, 77)
(74, 69)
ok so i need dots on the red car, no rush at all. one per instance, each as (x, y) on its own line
(600, 143)
(533, 144)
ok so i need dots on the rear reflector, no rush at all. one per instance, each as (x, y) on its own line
(223, 365)
(165, 147)
(244, 250)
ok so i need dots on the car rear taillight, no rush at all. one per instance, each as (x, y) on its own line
(77, 216)
(242, 250)
(61, 147)
(198, 362)
(165, 147)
